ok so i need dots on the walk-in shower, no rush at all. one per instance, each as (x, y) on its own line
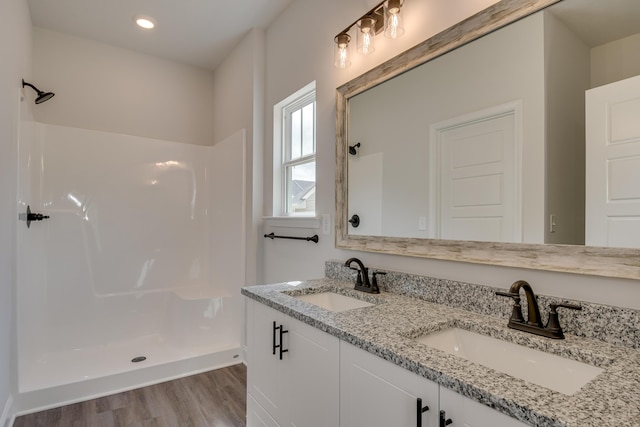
(133, 278)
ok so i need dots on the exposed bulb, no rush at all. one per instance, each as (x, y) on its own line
(393, 28)
(341, 56)
(366, 33)
(366, 43)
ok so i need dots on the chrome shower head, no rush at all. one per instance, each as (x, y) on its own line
(42, 96)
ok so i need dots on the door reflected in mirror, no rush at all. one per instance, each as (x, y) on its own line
(487, 142)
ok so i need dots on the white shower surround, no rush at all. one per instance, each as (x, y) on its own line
(143, 256)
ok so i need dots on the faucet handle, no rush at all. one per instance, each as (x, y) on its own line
(553, 307)
(516, 313)
(554, 323)
(359, 278)
(375, 273)
(508, 294)
(374, 280)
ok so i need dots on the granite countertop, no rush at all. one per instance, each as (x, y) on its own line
(387, 329)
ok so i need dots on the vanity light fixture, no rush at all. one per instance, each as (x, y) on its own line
(384, 17)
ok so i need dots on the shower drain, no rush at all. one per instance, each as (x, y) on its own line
(139, 359)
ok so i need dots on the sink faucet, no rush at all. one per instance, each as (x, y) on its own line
(534, 323)
(362, 281)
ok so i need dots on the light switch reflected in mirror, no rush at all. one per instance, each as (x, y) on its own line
(416, 152)
(487, 142)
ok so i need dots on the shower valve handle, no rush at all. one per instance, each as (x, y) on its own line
(37, 217)
(31, 216)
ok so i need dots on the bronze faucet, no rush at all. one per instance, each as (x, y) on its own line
(534, 323)
(362, 281)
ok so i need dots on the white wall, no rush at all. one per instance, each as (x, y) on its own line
(15, 64)
(299, 49)
(615, 61)
(102, 87)
(567, 69)
(238, 92)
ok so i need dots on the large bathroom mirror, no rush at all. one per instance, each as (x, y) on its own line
(471, 146)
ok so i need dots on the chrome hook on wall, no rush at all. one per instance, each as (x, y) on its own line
(30, 216)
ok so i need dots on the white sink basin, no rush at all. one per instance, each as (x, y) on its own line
(547, 370)
(333, 302)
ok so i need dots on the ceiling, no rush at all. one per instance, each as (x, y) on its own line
(591, 19)
(203, 32)
(195, 32)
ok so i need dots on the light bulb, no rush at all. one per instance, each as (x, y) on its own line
(366, 34)
(341, 56)
(366, 43)
(144, 22)
(393, 27)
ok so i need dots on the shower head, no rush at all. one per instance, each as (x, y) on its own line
(353, 149)
(42, 96)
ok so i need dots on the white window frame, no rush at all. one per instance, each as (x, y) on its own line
(281, 143)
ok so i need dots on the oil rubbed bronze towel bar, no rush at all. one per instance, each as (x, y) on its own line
(313, 238)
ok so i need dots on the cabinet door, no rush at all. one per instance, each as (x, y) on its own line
(257, 416)
(375, 392)
(301, 388)
(465, 412)
(264, 369)
(313, 375)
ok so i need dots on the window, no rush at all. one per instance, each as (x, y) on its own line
(295, 153)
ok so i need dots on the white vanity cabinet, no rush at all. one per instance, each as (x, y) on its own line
(375, 392)
(257, 416)
(465, 412)
(293, 371)
(299, 376)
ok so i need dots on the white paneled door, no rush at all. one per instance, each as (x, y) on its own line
(477, 178)
(613, 164)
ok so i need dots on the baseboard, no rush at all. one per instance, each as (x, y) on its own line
(6, 420)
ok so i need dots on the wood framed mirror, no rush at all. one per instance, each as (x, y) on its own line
(572, 258)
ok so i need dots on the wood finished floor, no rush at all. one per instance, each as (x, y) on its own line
(211, 399)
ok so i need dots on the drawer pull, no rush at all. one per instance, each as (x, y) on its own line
(282, 332)
(419, 411)
(443, 419)
(274, 338)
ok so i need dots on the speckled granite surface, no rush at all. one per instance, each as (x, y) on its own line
(387, 328)
(615, 325)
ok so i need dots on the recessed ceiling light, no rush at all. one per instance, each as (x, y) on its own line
(144, 22)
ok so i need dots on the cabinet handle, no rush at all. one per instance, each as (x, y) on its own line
(282, 332)
(443, 419)
(274, 338)
(419, 411)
